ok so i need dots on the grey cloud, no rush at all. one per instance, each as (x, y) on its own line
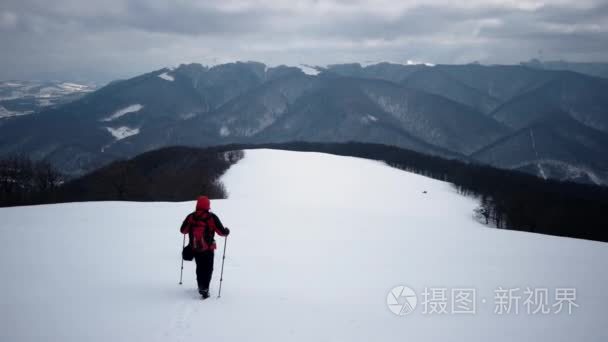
(125, 37)
(178, 18)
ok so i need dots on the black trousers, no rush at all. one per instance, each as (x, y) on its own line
(204, 268)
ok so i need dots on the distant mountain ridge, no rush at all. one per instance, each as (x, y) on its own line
(591, 69)
(26, 97)
(468, 112)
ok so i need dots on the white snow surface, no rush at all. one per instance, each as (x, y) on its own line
(369, 119)
(122, 132)
(75, 87)
(317, 243)
(123, 111)
(35, 95)
(308, 70)
(5, 113)
(413, 62)
(165, 76)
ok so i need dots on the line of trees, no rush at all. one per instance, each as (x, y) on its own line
(507, 199)
(24, 182)
(168, 174)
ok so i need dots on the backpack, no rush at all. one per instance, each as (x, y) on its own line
(200, 234)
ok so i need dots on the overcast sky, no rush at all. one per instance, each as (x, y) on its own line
(107, 39)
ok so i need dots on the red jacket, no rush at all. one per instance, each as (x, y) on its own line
(201, 227)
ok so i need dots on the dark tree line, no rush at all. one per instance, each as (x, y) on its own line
(168, 174)
(24, 182)
(508, 199)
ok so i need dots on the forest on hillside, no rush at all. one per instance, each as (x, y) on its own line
(169, 174)
(507, 199)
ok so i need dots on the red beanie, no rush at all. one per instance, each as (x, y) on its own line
(203, 203)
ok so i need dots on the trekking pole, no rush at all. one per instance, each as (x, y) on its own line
(181, 273)
(219, 293)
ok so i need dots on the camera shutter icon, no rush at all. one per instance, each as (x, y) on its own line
(401, 300)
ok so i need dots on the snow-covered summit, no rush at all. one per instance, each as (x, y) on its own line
(165, 76)
(318, 242)
(309, 70)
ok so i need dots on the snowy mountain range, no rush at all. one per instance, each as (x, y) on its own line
(299, 266)
(551, 123)
(26, 97)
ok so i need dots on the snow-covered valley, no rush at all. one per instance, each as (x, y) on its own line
(318, 242)
(26, 97)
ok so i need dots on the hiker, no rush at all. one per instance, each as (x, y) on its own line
(201, 227)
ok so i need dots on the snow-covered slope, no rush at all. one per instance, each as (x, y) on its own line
(26, 97)
(122, 112)
(317, 243)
